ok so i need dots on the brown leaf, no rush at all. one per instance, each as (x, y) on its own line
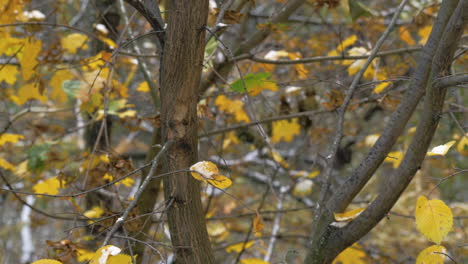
(258, 223)
(230, 16)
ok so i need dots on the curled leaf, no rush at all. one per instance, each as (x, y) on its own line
(349, 215)
(207, 171)
(442, 149)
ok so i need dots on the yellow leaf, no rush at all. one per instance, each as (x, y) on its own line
(127, 113)
(203, 170)
(335, 99)
(95, 212)
(301, 71)
(371, 139)
(394, 157)
(207, 171)
(357, 64)
(28, 57)
(258, 223)
(234, 107)
(29, 92)
(127, 182)
(343, 45)
(313, 174)
(380, 87)
(303, 187)
(103, 254)
(84, 255)
(349, 215)
(442, 149)
(8, 74)
(220, 181)
(9, 46)
(97, 159)
(253, 261)
(424, 33)
(432, 255)
(95, 62)
(143, 87)
(120, 259)
(230, 139)
(6, 165)
(433, 219)
(47, 261)
(277, 157)
(56, 82)
(49, 186)
(462, 146)
(285, 130)
(108, 41)
(405, 35)
(217, 229)
(10, 138)
(276, 54)
(72, 42)
(238, 247)
(352, 255)
(255, 90)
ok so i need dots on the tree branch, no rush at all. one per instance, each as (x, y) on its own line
(433, 107)
(451, 81)
(149, 9)
(120, 221)
(225, 67)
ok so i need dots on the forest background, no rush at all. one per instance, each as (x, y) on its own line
(235, 131)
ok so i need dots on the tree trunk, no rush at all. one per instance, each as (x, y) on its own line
(180, 82)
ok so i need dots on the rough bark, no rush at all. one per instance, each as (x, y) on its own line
(180, 82)
(329, 241)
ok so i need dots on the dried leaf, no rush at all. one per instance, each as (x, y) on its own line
(258, 223)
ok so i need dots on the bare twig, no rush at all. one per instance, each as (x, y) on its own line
(143, 186)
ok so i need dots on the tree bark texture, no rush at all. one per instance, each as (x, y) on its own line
(180, 82)
(328, 241)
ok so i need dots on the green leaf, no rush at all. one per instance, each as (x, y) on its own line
(251, 80)
(357, 9)
(71, 88)
(37, 155)
(211, 47)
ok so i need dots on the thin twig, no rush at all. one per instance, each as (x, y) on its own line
(143, 186)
